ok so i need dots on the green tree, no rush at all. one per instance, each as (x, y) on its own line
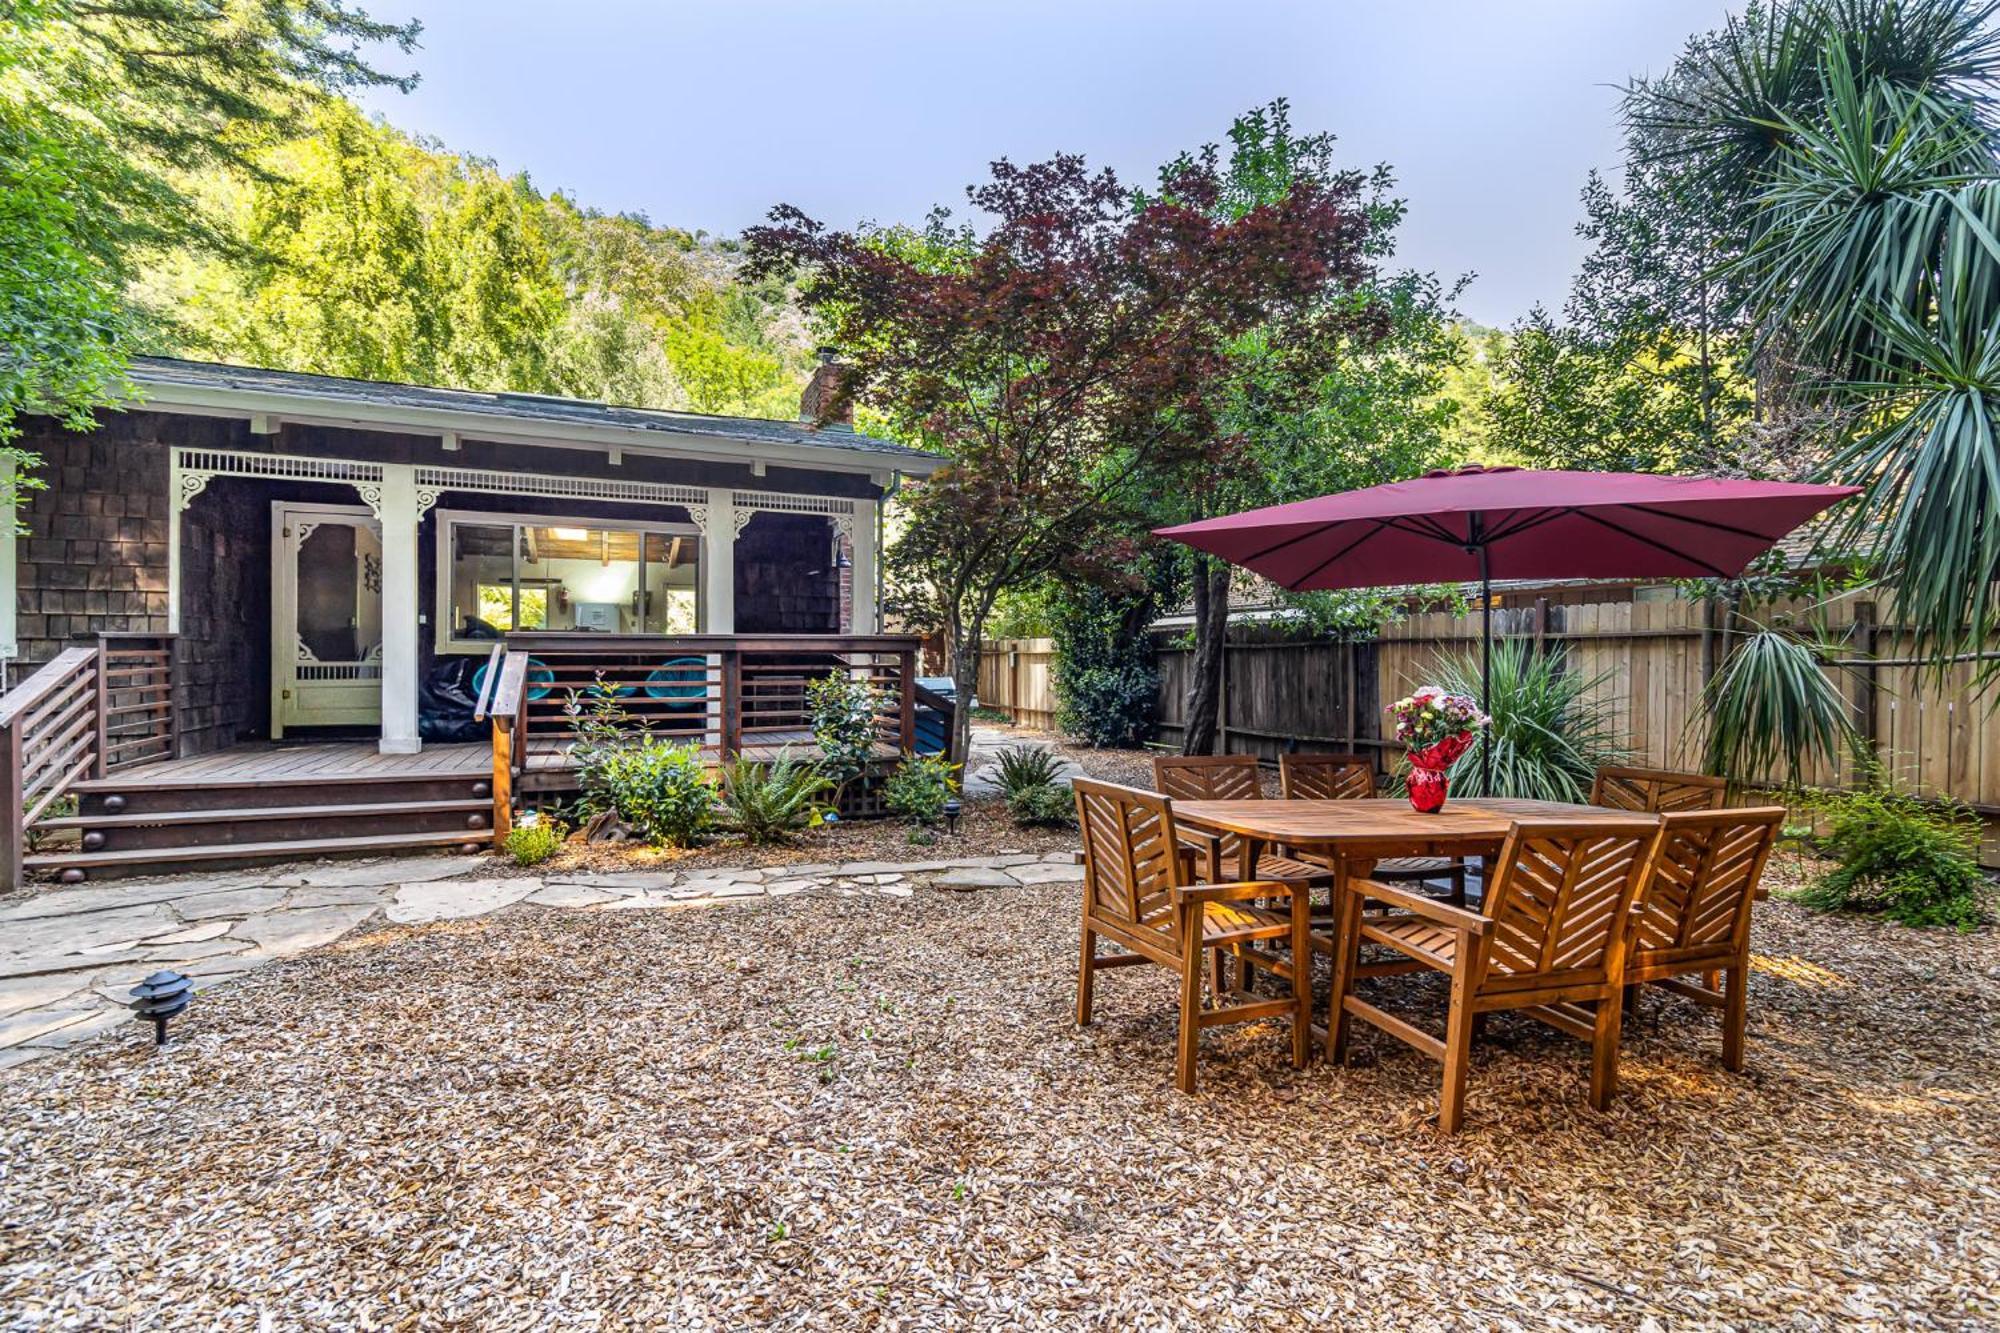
(1372, 410)
(104, 105)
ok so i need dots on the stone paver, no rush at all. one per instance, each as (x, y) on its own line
(445, 900)
(68, 957)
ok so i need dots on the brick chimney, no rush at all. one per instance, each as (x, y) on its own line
(820, 390)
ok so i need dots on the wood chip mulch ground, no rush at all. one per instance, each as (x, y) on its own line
(829, 1112)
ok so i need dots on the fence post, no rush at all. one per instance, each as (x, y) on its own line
(1864, 622)
(731, 741)
(102, 704)
(13, 830)
(906, 662)
(503, 779)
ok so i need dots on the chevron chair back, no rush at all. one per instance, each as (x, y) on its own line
(1326, 777)
(1657, 791)
(1695, 914)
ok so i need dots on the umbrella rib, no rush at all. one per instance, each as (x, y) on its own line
(1528, 522)
(1341, 554)
(1424, 525)
(1700, 522)
(1658, 546)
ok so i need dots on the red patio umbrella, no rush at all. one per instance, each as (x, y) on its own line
(1512, 523)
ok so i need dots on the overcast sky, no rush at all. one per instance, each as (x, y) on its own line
(703, 115)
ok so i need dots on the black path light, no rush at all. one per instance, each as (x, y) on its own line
(951, 813)
(159, 998)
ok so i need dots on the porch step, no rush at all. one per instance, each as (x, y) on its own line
(162, 860)
(130, 831)
(140, 792)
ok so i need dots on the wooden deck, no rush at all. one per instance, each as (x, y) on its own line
(280, 762)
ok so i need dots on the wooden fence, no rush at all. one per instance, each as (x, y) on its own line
(1017, 676)
(1649, 659)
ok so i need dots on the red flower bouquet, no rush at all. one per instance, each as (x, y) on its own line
(1435, 727)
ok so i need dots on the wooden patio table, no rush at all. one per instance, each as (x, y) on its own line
(1354, 835)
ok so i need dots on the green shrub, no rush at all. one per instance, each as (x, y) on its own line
(1049, 805)
(1552, 727)
(920, 786)
(843, 723)
(661, 791)
(530, 844)
(1106, 680)
(767, 803)
(1024, 767)
(1909, 860)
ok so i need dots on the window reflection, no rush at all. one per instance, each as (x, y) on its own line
(558, 577)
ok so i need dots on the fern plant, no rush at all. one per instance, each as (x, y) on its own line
(767, 803)
(1912, 861)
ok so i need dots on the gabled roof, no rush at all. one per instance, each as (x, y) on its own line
(171, 384)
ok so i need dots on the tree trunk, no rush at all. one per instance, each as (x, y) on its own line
(1211, 630)
(965, 650)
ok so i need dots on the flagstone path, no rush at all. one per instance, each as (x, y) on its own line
(68, 956)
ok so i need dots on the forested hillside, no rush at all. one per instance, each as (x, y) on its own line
(359, 250)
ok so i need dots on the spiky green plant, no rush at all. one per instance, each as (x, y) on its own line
(1771, 710)
(1552, 727)
(1025, 767)
(1854, 146)
(767, 803)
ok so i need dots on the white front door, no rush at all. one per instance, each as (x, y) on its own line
(326, 616)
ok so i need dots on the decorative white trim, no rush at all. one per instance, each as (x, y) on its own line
(779, 503)
(371, 495)
(567, 488)
(741, 519)
(195, 466)
(427, 498)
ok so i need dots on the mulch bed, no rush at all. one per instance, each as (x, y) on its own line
(828, 1112)
(984, 829)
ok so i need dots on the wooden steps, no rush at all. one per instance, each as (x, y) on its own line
(142, 822)
(152, 861)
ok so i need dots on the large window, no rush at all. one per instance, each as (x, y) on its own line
(499, 573)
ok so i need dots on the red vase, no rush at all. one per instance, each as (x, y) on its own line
(1428, 788)
(1430, 772)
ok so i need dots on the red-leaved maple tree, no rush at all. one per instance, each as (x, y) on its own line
(1076, 348)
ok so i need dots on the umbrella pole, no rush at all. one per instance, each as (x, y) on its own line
(1485, 673)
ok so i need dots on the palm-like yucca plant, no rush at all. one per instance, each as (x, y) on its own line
(1552, 727)
(1771, 709)
(767, 803)
(1854, 145)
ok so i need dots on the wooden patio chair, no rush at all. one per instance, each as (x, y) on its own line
(1548, 938)
(1695, 913)
(1351, 777)
(1228, 777)
(1138, 894)
(1656, 791)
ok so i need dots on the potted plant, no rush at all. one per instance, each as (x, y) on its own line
(1435, 727)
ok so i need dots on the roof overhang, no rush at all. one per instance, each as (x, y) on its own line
(269, 408)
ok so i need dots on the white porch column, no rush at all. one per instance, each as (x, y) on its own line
(399, 514)
(718, 562)
(865, 614)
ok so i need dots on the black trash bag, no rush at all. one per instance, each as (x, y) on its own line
(446, 702)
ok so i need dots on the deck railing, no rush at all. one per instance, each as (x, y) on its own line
(93, 708)
(730, 694)
(135, 700)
